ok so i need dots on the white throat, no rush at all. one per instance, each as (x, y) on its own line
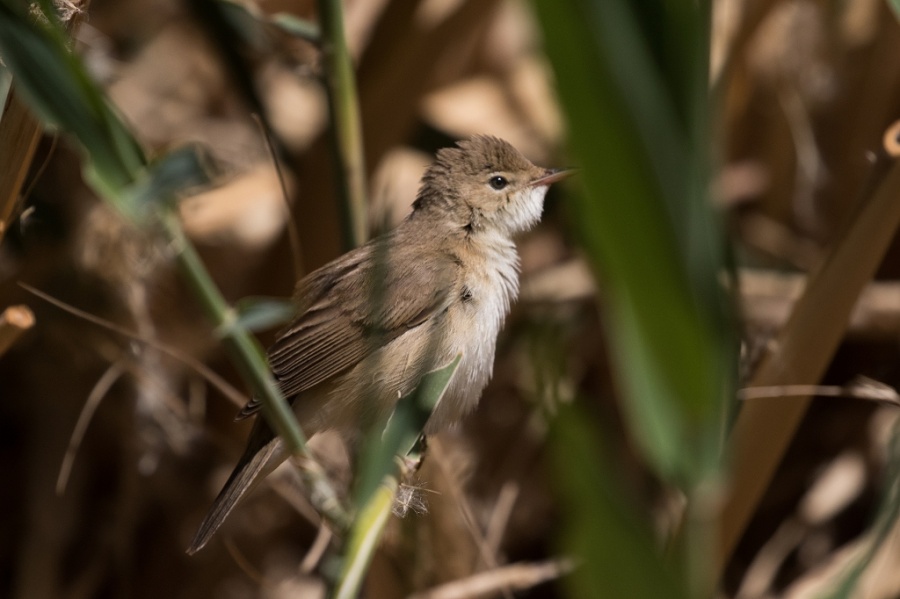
(525, 209)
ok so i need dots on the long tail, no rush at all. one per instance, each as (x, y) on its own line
(260, 458)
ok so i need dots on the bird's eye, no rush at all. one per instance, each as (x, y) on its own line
(498, 182)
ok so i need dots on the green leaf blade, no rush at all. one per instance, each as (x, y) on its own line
(632, 213)
(377, 480)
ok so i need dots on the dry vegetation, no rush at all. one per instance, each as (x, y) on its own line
(111, 449)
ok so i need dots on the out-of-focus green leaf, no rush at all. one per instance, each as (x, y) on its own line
(58, 88)
(174, 174)
(632, 80)
(250, 21)
(245, 19)
(261, 313)
(612, 547)
(297, 27)
(885, 524)
(895, 6)
(643, 216)
(377, 480)
(402, 430)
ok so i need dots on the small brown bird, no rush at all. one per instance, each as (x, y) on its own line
(372, 322)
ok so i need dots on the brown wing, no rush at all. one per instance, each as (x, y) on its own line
(354, 305)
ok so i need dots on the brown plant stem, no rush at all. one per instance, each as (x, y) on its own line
(803, 350)
(19, 136)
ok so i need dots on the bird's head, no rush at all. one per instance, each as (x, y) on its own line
(486, 184)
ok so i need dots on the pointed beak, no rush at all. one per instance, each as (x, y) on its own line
(552, 175)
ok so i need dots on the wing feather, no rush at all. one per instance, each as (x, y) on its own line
(340, 323)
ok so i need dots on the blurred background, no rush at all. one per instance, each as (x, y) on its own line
(112, 450)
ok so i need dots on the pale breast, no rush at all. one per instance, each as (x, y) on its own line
(469, 327)
(474, 322)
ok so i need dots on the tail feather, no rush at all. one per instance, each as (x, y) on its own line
(259, 459)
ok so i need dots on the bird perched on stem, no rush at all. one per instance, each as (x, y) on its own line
(370, 324)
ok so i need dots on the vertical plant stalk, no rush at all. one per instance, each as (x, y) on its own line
(249, 358)
(804, 349)
(705, 256)
(19, 136)
(346, 125)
